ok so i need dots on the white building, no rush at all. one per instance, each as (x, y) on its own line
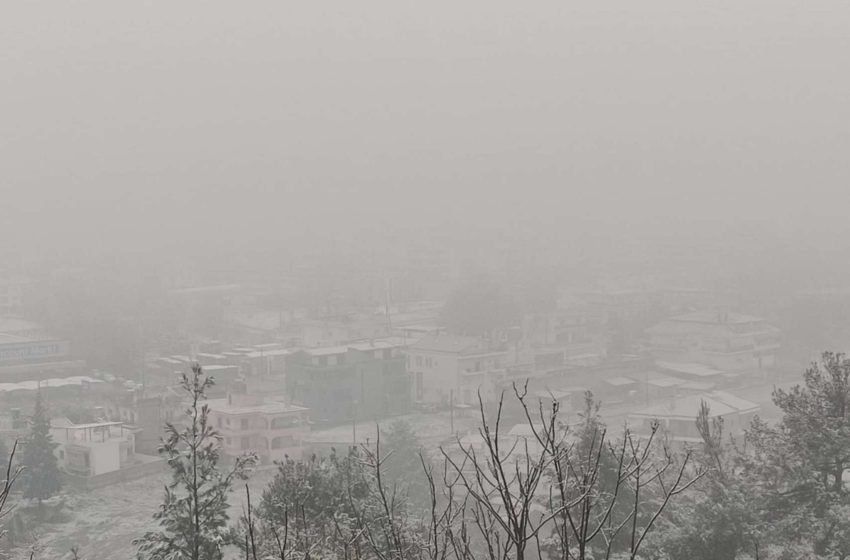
(92, 449)
(677, 417)
(726, 341)
(446, 367)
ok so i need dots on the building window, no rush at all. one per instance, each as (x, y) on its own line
(282, 442)
(245, 443)
(243, 424)
(284, 422)
(419, 361)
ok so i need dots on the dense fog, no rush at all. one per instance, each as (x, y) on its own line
(454, 280)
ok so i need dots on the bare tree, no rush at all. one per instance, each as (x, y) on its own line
(545, 491)
(12, 474)
(554, 491)
(386, 527)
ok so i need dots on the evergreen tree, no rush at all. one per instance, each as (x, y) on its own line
(783, 495)
(314, 498)
(806, 458)
(193, 516)
(402, 466)
(41, 476)
(718, 520)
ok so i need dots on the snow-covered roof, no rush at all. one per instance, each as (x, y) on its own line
(688, 407)
(714, 317)
(658, 380)
(697, 386)
(270, 353)
(452, 344)
(264, 407)
(620, 381)
(46, 383)
(697, 370)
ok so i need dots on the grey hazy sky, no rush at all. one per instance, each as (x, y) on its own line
(131, 123)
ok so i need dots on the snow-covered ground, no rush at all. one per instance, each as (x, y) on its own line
(103, 523)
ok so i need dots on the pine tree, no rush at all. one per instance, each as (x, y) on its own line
(193, 517)
(402, 465)
(41, 476)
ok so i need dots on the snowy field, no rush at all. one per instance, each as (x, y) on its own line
(103, 523)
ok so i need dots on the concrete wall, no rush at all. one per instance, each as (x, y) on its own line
(155, 466)
(105, 457)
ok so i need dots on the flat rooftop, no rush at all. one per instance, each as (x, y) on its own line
(266, 407)
(6, 338)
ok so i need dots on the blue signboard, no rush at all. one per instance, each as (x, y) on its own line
(37, 350)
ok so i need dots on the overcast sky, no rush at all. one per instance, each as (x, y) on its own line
(140, 123)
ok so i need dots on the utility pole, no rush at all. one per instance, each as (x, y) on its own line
(452, 410)
(353, 423)
(387, 289)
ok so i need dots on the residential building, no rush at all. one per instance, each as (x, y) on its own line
(268, 362)
(352, 381)
(272, 429)
(574, 325)
(14, 425)
(727, 341)
(92, 449)
(447, 368)
(11, 294)
(677, 417)
(146, 415)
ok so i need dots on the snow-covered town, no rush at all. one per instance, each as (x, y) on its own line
(385, 281)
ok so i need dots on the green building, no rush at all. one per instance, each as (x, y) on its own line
(357, 381)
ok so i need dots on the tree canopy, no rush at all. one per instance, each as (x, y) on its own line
(193, 517)
(41, 476)
(780, 493)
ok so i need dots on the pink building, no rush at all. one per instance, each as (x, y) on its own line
(272, 429)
